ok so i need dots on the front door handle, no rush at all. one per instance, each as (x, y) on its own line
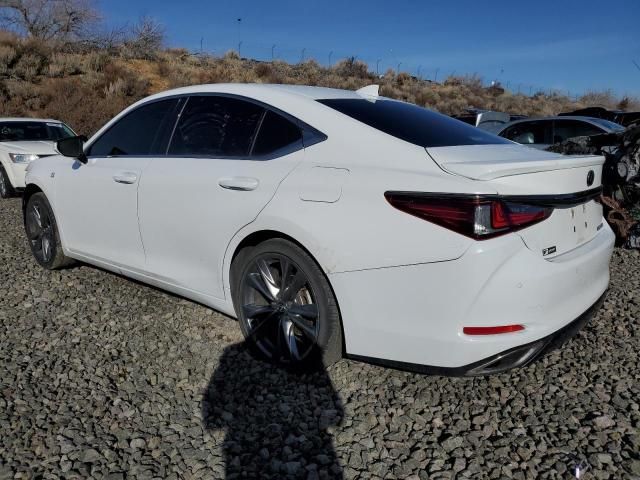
(244, 184)
(125, 177)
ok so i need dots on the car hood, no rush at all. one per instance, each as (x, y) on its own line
(38, 147)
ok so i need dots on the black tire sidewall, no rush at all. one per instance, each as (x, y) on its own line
(58, 258)
(329, 346)
(9, 188)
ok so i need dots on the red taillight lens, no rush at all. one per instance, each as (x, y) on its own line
(506, 214)
(478, 217)
(492, 330)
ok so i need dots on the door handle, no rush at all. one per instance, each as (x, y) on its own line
(244, 184)
(125, 177)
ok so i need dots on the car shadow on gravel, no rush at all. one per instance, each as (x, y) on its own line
(277, 423)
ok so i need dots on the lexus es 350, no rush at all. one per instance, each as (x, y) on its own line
(333, 223)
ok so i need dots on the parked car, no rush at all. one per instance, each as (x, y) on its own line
(617, 116)
(23, 140)
(332, 222)
(487, 119)
(543, 132)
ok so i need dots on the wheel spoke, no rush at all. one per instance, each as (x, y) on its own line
(253, 310)
(256, 281)
(285, 270)
(290, 338)
(46, 247)
(309, 311)
(267, 277)
(34, 235)
(293, 286)
(37, 216)
(307, 330)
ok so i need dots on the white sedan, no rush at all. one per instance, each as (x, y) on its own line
(333, 223)
(23, 140)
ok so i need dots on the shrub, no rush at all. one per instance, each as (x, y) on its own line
(61, 65)
(7, 56)
(28, 67)
(96, 61)
(263, 71)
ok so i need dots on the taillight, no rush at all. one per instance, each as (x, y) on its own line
(476, 216)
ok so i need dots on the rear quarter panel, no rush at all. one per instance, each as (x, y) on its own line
(361, 230)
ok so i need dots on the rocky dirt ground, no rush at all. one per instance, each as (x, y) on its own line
(103, 377)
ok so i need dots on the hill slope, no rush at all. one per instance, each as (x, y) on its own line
(86, 87)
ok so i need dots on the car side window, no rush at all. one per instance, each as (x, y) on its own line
(215, 126)
(276, 133)
(529, 133)
(564, 129)
(140, 132)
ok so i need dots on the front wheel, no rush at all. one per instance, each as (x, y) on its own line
(6, 189)
(286, 308)
(42, 233)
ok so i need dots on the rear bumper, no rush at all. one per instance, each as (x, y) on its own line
(519, 356)
(415, 314)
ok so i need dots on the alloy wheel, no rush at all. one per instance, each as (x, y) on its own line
(279, 308)
(40, 232)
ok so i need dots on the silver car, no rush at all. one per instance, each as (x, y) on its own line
(546, 131)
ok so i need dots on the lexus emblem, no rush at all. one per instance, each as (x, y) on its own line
(591, 176)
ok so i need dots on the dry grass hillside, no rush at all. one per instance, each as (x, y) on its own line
(85, 87)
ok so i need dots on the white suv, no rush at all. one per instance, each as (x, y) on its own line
(21, 141)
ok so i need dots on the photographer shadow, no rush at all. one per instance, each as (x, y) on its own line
(276, 422)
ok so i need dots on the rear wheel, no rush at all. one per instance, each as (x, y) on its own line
(285, 305)
(42, 233)
(6, 189)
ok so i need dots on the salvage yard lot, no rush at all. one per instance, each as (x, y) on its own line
(104, 377)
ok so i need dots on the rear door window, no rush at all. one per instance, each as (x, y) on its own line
(411, 123)
(530, 133)
(216, 126)
(144, 131)
(276, 134)
(564, 129)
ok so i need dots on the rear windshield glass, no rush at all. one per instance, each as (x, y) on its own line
(413, 124)
(614, 127)
(30, 131)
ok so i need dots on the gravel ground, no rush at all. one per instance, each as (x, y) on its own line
(103, 377)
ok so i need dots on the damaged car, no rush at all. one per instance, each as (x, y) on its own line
(334, 223)
(543, 132)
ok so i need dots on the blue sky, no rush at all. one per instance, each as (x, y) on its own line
(568, 45)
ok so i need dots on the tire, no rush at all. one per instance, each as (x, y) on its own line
(293, 323)
(6, 189)
(42, 233)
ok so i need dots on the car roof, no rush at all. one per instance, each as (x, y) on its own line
(594, 121)
(24, 119)
(557, 117)
(312, 93)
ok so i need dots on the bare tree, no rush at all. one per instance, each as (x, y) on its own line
(49, 19)
(147, 37)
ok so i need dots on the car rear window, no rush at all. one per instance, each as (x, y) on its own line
(614, 127)
(411, 123)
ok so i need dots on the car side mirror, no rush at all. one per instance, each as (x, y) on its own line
(72, 147)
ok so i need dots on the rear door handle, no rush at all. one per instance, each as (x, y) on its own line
(244, 184)
(125, 177)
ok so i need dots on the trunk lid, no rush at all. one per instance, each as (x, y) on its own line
(530, 175)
